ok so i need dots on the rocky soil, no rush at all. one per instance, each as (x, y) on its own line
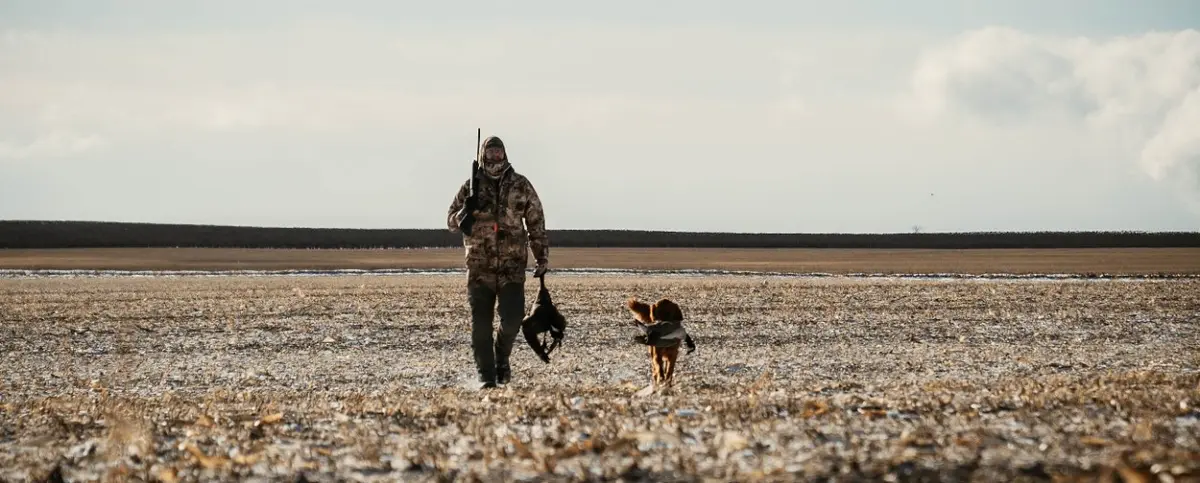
(369, 378)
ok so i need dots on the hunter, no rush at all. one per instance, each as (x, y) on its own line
(509, 223)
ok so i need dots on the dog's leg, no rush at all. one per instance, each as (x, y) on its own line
(653, 366)
(670, 355)
(662, 366)
(666, 371)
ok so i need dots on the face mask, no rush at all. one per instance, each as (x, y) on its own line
(493, 162)
(494, 168)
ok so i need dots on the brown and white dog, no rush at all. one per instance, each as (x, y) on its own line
(662, 331)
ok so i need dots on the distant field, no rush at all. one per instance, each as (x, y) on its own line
(1129, 261)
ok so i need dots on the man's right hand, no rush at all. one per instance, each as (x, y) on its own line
(467, 211)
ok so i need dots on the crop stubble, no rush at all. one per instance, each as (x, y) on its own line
(364, 378)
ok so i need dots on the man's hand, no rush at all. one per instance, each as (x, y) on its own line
(540, 270)
(466, 216)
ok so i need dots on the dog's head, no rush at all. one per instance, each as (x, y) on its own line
(544, 317)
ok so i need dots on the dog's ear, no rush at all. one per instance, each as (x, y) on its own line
(666, 311)
(641, 310)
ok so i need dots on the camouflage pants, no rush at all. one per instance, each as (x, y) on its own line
(490, 351)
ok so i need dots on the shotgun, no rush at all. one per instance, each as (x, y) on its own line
(467, 213)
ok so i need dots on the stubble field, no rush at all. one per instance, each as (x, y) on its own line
(341, 377)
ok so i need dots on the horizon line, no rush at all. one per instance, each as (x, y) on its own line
(624, 230)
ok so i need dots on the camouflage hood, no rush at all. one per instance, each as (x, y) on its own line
(493, 169)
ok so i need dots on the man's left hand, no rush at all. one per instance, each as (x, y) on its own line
(540, 270)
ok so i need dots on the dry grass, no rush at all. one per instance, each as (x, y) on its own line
(840, 261)
(361, 378)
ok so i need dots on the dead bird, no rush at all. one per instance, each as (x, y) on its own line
(543, 317)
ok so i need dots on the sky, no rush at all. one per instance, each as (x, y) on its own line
(869, 116)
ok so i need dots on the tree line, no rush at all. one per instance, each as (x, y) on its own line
(88, 234)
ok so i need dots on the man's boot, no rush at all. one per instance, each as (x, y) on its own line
(512, 310)
(503, 370)
(485, 361)
(482, 313)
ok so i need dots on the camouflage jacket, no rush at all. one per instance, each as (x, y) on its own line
(509, 223)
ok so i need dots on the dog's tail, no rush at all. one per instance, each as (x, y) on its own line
(640, 310)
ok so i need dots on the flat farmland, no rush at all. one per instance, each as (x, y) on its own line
(367, 378)
(1121, 261)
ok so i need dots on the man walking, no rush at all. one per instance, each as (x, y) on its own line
(509, 223)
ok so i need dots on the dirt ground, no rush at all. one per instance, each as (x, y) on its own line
(368, 378)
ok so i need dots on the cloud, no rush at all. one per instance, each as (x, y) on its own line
(51, 145)
(1174, 151)
(1143, 90)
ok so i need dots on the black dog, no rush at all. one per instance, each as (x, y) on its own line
(543, 317)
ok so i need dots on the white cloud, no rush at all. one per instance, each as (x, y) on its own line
(1142, 92)
(1174, 151)
(50, 145)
